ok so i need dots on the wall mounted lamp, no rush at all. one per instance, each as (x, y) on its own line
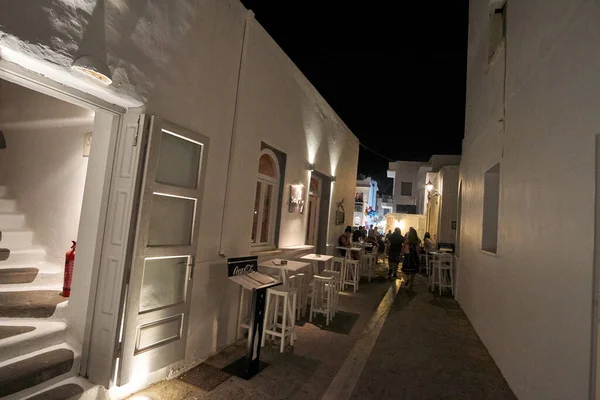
(430, 190)
(333, 179)
(93, 68)
(429, 186)
(311, 166)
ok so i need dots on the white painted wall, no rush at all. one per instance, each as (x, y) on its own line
(181, 60)
(405, 171)
(43, 163)
(531, 303)
(449, 197)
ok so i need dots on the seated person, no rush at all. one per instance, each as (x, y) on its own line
(428, 244)
(372, 240)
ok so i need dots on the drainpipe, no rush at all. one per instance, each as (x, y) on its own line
(248, 20)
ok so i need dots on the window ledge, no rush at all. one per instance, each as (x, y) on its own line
(489, 253)
(263, 252)
(301, 247)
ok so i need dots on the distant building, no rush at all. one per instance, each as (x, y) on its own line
(365, 197)
(409, 193)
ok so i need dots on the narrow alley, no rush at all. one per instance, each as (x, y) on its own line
(388, 344)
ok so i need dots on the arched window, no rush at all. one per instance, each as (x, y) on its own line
(265, 200)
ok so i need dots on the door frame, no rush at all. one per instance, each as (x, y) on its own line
(595, 317)
(23, 77)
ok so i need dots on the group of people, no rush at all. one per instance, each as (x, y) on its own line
(400, 248)
(361, 234)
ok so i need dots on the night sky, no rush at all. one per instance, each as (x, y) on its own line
(396, 76)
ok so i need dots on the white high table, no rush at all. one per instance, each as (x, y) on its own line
(316, 258)
(291, 266)
(349, 250)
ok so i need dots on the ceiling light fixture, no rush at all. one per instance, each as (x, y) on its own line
(93, 68)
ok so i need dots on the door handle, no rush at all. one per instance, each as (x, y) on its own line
(192, 265)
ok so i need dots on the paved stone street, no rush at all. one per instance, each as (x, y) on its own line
(386, 344)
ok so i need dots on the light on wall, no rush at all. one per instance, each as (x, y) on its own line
(311, 167)
(429, 186)
(93, 68)
(431, 192)
(400, 224)
(333, 179)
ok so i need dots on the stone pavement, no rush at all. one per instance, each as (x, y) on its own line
(427, 349)
(387, 344)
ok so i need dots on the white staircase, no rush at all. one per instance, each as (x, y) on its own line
(34, 355)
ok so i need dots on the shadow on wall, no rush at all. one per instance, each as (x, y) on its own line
(2, 141)
(137, 39)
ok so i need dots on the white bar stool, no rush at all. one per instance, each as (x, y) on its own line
(367, 263)
(321, 301)
(287, 327)
(337, 287)
(299, 283)
(443, 269)
(351, 274)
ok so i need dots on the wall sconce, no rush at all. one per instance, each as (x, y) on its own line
(311, 167)
(431, 192)
(93, 68)
(333, 179)
(429, 186)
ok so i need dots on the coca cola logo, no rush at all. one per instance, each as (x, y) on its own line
(243, 270)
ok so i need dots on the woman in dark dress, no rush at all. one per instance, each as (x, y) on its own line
(410, 265)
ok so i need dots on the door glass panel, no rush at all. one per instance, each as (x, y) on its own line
(266, 214)
(171, 221)
(178, 161)
(256, 210)
(163, 283)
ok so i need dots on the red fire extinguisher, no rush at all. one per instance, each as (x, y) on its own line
(69, 263)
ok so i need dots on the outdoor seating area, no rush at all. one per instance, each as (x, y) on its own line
(311, 287)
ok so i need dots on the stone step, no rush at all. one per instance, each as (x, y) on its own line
(19, 376)
(11, 276)
(16, 239)
(27, 336)
(28, 278)
(43, 267)
(87, 391)
(9, 221)
(8, 205)
(29, 303)
(62, 392)
(22, 256)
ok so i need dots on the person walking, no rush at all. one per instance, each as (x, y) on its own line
(410, 265)
(396, 240)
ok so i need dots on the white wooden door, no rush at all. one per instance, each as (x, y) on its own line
(313, 218)
(159, 292)
(314, 200)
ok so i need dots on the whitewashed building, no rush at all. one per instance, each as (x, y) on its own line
(441, 204)
(528, 247)
(410, 178)
(208, 143)
(365, 198)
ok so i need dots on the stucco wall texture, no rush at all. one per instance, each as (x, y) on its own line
(531, 303)
(181, 61)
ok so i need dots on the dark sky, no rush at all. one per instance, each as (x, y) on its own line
(394, 74)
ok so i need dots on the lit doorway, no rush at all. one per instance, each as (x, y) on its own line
(58, 160)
